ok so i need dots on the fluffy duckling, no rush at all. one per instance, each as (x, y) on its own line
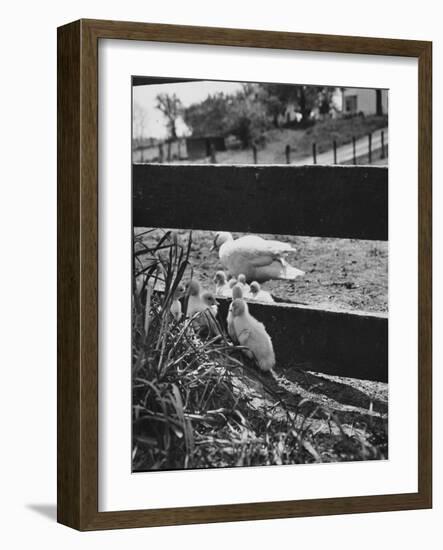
(205, 321)
(210, 302)
(194, 300)
(222, 288)
(242, 280)
(252, 334)
(176, 306)
(256, 293)
(237, 292)
(199, 303)
(257, 258)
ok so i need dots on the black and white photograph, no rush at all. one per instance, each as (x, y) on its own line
(259, 329)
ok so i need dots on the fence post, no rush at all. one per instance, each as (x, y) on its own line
(254, 153)
(160, 153)
(335, 151)
(314, 153)
(169, 151)
(370, 148)
(212, 155)
(288, 154)
(382, 144)
(354, 158)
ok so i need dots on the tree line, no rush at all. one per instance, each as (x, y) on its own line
(246, 114)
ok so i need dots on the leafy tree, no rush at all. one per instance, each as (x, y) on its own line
(209, 116)
(240, 114)
(276, 98)
(279, 96)
(171, 107)
(246, 118)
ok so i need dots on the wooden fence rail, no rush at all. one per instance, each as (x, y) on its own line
(328, 201)
(322, 201)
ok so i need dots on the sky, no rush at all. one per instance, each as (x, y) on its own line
(187, 92)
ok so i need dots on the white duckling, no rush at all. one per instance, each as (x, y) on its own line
(237, 292)
(205, 321)
(210, 302)
(232, 282)
(197, 301)
(222, 288)
(198, 305)
(252, 334)
(176, 306)
(256, 293)
(257, 258)
(242, 281)
(194, 300)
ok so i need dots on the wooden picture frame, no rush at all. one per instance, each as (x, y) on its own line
(78, 274)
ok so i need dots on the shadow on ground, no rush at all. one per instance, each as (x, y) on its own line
(48, 511)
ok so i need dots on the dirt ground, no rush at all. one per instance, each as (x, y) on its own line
(342, 274)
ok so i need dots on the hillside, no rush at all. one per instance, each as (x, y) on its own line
(323, 133)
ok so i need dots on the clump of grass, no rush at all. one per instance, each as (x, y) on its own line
(197, 403)
(179, 380)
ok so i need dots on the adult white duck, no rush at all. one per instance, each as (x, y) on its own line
(257, 258)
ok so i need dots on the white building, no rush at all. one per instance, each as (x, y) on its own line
(364, 100)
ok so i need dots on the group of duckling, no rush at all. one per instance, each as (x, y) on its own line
(224, 287)
(243, 329)
(248, 258)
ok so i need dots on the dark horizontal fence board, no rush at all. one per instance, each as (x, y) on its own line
(322, 201)
(350, 344)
